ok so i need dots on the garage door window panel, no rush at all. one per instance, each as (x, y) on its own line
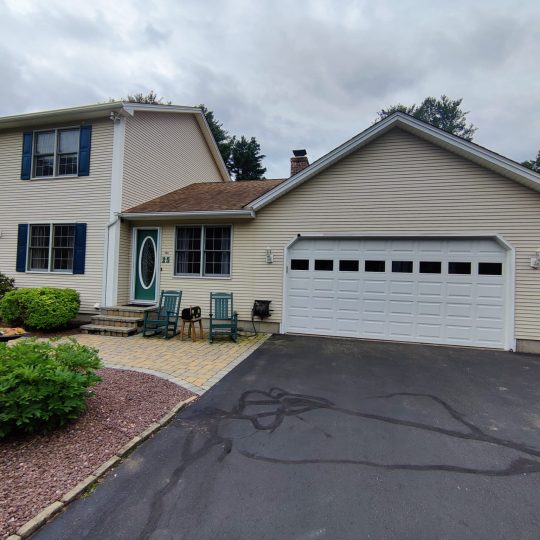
(324, 265)
(430, 267)
(375, 266)
(459, 268)
(402, 267)
(346, 265)
(490, 269)
(299, 264)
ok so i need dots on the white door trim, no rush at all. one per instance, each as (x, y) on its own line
(510, 278)
(158, 265)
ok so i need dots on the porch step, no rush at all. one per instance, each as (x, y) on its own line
(105, 330)
(124, 311)
(113, 320)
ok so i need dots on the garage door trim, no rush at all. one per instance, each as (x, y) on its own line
(509, 342)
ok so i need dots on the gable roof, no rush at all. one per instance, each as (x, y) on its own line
(107, 110)
(205, 197)
(474, 152)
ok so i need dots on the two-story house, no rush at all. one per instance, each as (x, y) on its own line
(66, 176)
(404, 232)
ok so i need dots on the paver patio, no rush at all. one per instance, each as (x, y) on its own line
(195, 365)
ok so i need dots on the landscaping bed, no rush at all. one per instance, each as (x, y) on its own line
(37, 470)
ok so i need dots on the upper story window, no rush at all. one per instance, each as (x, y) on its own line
(203, 250)
(51, 153)
(56, 152)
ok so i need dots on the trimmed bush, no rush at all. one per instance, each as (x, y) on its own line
(44, 385)
(6, 284)
(42, 308)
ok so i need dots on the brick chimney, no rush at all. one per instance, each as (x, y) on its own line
(299, 161)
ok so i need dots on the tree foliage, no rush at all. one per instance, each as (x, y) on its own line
(246, 159)
(533, 164)
(242, 156)
(221, 136)
(444, 113)
(150, 99)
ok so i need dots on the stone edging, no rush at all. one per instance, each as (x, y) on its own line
(40, 519)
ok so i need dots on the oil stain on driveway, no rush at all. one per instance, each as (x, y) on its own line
(328, 438)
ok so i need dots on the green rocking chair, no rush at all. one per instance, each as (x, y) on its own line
(223, 318)
(163, 319)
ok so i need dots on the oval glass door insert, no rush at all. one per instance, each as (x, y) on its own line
(147, 262)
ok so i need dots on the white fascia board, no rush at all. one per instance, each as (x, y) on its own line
(146, 216)
(149, 107)
(474, 152)
(85, 112)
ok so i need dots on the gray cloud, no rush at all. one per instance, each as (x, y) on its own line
(309, 73)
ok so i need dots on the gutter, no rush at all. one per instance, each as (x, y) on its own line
(211, 214)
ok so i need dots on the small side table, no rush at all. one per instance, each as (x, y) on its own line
(191, 329)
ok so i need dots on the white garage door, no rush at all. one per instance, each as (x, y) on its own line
(446, 291)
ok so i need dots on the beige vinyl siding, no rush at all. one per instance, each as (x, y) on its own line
(124, 264)
(83, 199)
(164, 152)
(397, 184)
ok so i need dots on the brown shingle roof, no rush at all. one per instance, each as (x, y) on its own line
(208, 196)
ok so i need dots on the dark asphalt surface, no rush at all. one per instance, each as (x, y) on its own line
(323, 438)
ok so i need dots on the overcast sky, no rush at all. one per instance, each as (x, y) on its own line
(294, 74)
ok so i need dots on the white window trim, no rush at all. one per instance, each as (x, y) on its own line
(51, 240)
(201, 274)
(55, 168)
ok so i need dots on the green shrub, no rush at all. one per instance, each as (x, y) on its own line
(6, 284)
(40, 309)
(44, 385)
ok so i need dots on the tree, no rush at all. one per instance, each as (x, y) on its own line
(222, 137)
(246, 159)
(151, 98)
(533, 164)
(444, 113)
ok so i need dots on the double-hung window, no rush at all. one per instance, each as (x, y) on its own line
(203, 250)
(51, 247)
(56, 153)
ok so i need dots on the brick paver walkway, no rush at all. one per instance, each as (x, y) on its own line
(196, 366)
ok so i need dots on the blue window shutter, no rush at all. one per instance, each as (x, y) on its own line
(26, 166)
(22, 243)
(85, 142)
(79, 252)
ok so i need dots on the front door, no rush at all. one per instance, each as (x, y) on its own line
(145, 269)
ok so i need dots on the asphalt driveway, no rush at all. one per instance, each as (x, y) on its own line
(324, 438)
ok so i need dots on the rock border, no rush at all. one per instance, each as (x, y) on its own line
(32, 525)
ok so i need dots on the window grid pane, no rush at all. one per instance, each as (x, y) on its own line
(217, 251)
(44, 166)
(63, 247)
(67, 164)
(38, 251)
(188, 250)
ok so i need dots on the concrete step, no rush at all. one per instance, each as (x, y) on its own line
(105, 330)
(111, 320)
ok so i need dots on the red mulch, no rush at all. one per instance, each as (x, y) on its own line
(37, 470)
